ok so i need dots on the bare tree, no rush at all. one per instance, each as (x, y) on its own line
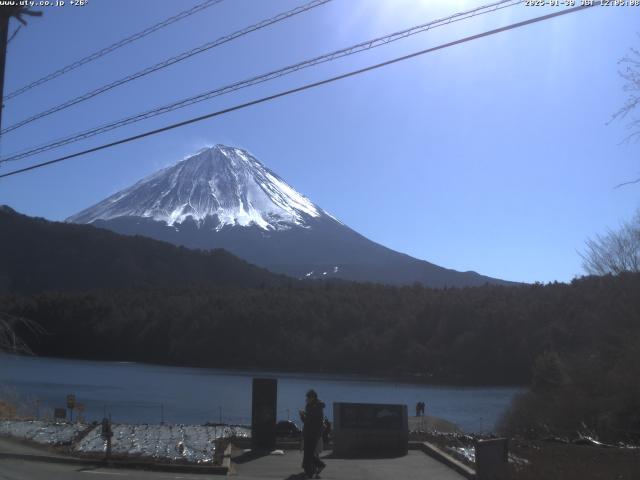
(616, 252)
(630, 72)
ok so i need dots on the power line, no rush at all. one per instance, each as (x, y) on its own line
(303, 87)
(15, 32)
(125, 41)
(367, 45)
(170, 61)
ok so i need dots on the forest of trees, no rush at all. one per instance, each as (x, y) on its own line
(37, 255)
(480, 335)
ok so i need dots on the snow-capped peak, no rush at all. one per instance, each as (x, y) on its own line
(221, 182)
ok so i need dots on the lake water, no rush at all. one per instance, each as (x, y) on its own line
(143, 393)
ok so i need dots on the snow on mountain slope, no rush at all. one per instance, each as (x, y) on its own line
(222, 197)
(223, 182)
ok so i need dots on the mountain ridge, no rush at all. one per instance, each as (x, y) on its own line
(223, 182)
(223, 197)
(38, 255)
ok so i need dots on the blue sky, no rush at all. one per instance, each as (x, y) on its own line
(493, 156)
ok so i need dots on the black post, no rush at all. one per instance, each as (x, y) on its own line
(16, 11)
(263, 413)
(4, 35)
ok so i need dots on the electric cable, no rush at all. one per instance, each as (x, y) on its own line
(104, 51)
(166, 63)
(303, 88)
(360, 47)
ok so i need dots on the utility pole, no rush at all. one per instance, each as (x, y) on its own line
(4, 35)
(6, 12)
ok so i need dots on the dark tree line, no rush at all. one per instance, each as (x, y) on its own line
(481, 335)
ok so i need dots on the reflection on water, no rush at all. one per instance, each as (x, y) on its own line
(142, 393)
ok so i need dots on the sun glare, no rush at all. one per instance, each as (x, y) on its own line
(385, 14)
(417, 9)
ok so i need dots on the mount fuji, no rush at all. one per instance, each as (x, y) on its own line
(223, 197)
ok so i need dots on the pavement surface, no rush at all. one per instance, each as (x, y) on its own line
(286, 466)
(23, 470)
(427, 423)
(14, 446)
(415, 465)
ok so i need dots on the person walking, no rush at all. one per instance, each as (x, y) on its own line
(312, 418)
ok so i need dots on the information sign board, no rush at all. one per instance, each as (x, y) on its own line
(370, 429)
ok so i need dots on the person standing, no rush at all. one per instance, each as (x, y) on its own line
(326, 431)
(312, 418)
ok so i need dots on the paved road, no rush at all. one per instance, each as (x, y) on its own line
(416, 465)
(13, 446)
(22, 470)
